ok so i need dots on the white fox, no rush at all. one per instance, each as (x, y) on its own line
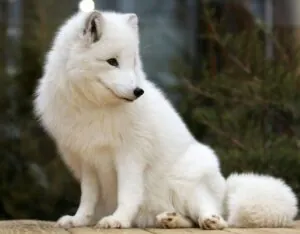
(137, 163)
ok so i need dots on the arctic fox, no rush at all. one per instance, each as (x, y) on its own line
(256, 201)
(136, 161)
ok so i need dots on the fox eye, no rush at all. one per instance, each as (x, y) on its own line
(113, 62)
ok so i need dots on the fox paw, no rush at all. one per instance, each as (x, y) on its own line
(112, 222)
(167, 220)
(172, 220)
(69, 221)
(212, 222)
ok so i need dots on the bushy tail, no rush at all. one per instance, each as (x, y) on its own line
(259, 201)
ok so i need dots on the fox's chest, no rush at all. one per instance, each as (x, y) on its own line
(90, 131)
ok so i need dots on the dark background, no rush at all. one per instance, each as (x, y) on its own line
(230, 68)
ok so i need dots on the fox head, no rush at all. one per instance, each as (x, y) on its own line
(103, 63)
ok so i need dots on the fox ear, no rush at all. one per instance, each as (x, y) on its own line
(93, 26)
(133, 20)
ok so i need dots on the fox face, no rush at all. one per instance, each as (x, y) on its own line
(104, 62)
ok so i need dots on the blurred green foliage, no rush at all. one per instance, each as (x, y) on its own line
(236, 100)
(34, 182)
(247, 109)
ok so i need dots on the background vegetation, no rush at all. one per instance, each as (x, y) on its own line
(232, 95)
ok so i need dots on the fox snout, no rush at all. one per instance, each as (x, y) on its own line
(138, 92)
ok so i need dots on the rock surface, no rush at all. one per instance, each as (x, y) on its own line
(37, 226)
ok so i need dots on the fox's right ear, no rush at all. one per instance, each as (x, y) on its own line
(93, 26)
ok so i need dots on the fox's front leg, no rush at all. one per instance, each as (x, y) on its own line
(88, 201)
(130, 192)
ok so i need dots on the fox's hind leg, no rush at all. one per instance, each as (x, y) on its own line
(199, 171)
(207, 202)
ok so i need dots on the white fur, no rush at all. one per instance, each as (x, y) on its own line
(134, 160)
(255, 201)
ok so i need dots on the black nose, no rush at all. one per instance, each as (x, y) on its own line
(138, 92)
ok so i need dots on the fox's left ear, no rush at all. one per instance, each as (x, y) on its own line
(93, 26)
(133, 20)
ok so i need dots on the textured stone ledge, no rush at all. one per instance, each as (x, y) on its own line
(36, 227)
